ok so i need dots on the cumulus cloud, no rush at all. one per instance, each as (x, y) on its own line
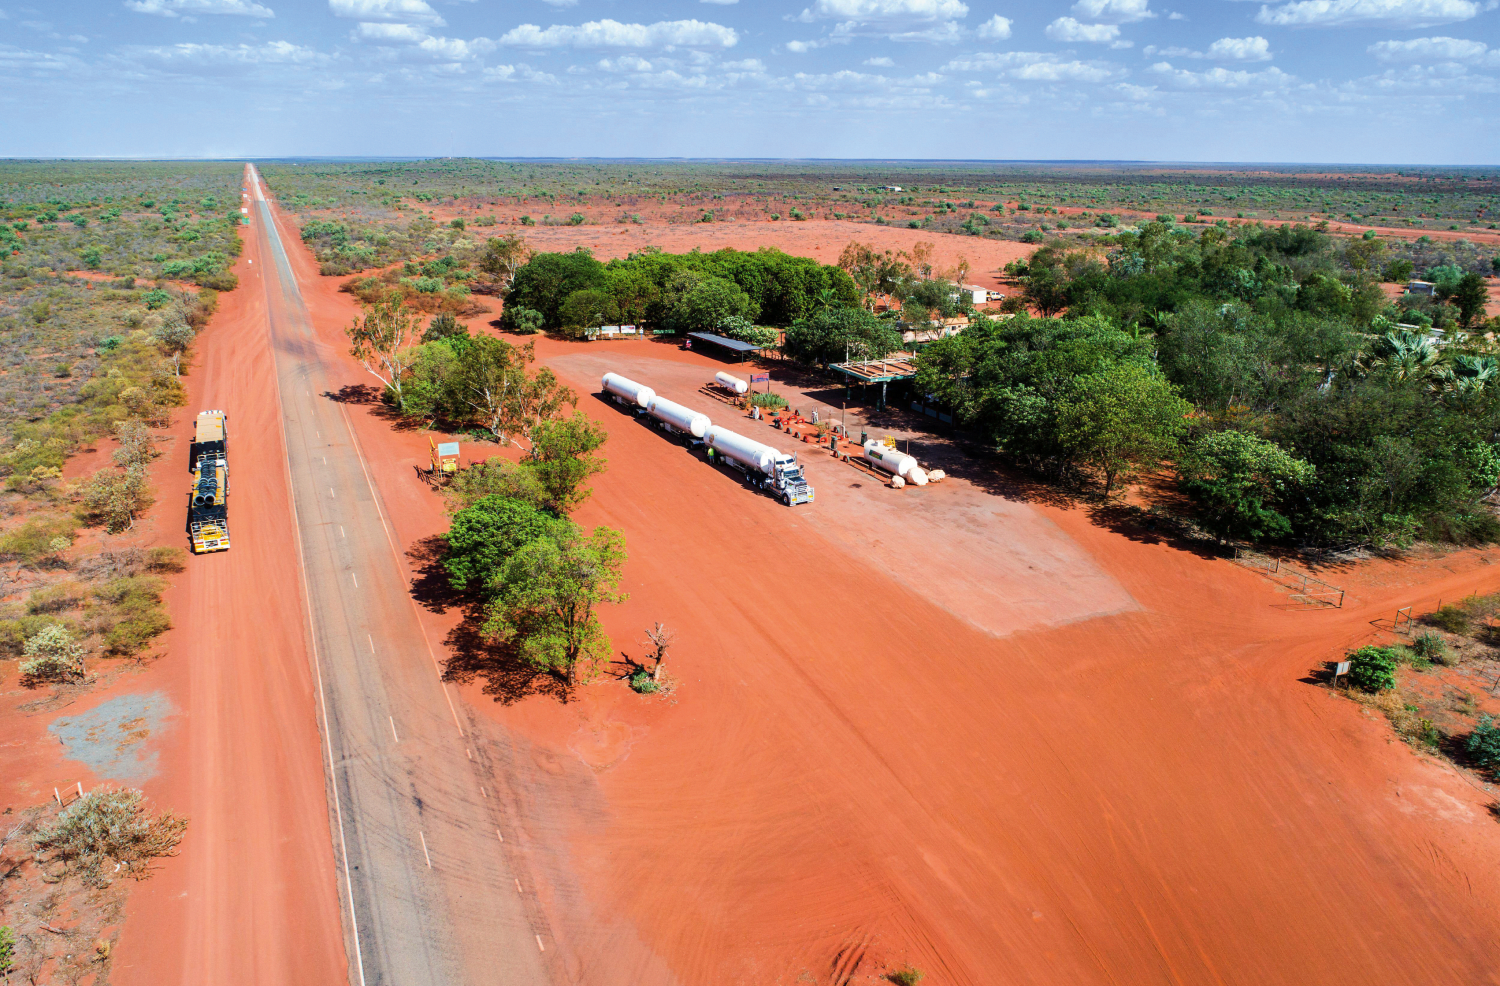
(516, 73)
(721, 3)
(1430, 50)
(1223, 78)
(404, 11)
(613, 34)
(1114, 11)
(1036, 66)
(884, 11)
(213, 55)
(1256, 49)
(1395, 13)
(561, 3)
(178, 8)
(997, 28)
(413, 40)
(1068, 29)
(881, 62)
(17, 59)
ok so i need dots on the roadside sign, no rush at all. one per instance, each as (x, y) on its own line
(448, 448)
(760, 378)
(1342, 667)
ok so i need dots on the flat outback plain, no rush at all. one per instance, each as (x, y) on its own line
(592, 706)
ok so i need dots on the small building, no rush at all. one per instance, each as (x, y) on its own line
(976, 294)
(1420, 287)
(725, 348)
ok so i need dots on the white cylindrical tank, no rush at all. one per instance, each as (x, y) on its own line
(634, 393)
(731, 382)
(695, 423)
(895, 463)
(741, 449)
(897, 482)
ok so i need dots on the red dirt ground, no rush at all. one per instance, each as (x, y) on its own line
(852, 776)
(251, 897)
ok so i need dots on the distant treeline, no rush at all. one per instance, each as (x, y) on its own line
(572, 292)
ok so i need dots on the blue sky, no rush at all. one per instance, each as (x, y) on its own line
(1354, 81)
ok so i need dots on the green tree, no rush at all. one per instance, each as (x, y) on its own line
(444, 326)
(1470, 297)
(521, 320)
(708, 303)
(484, 535)
(1483, 744)
(382, 341)
(494, 476)
(1122, 418)
(563, 458)
(502, 257)
(1241, 484)
(545, 599)
(838, 334)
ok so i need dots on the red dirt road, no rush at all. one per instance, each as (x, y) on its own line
(251, 898)
(853, 775)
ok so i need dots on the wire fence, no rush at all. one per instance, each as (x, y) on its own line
(1308, 589)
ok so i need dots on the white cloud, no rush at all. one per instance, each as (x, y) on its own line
(176, 8)
(1114, 11)
(414, 40)
(997, 28)
(947, 32)
(1395, 13)
(1068, 29)
(803, 47)
(402, 11)
(1436, 50)
(881, 62)
(721, 3)
(625, 63)
(513, 73)
(191, 55)
(1223, 78)
(1256, 49)
(561, 3)
(1036, 66)
(884, 11)
(613, 34)
(13, 58)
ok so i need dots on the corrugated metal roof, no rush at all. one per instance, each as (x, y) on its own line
(734, 344)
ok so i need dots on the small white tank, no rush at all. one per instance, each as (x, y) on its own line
(897, 482)
(695, 423)
(895, 463)
(634, 393)
(731, 382)
(748, 453)
(936, 475)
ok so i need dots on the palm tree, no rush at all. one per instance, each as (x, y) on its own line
(1405, 355)
(826, 298)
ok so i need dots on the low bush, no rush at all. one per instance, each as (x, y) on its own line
(1483, 745)
(1431, 647)
(33, 540)
(1453, 619)
(166, 558)
(905, 976)
(138, 616)
(110, 826)
(767, 400)
(113, 498)
(52, 655)
(642, 682)
(1373, 669)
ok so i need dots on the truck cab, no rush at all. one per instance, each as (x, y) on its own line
(789, 482)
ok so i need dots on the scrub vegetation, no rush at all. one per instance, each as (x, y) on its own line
(107, 273)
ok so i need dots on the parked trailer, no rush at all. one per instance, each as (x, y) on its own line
(896, 463)
(676, 416)
(731, 382)
(208, 497)
(770, 468)
(627, 391)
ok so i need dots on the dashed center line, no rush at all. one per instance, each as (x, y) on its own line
(372, 642)
(355, 578)
(539, 945)
(424, 849)
(393, 728)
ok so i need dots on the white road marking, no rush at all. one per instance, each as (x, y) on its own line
(341, 531)
(331, 493)
(468, 754)
(424, 849)
(355, 578)
(518, 882)
(486, 794)
(393, 727)
(539, 945)
(497, 832)
(372, 642)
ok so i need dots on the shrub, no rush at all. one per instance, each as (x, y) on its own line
(35, 539)
(52, 655)
(137, 444)
(497, 477)
(1451, 618)
(1483, 745)
(642, 682)
(1373, 669)
(114, 498)
(140, 617)
(443, 326)
(906, 976)
(7, 949)
(767, 400)
(110, 825)
(1431, 647)
(165, 558)
(1032, 236)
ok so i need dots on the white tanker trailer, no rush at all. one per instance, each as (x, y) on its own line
(627, 391)
(766, 466)
(730, 382)
(679, 418)
(896, 463)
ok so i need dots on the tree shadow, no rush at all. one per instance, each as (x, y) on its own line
(364, 395)
(354, 393)
(1147, 527)
(430, 586)
(507, 677)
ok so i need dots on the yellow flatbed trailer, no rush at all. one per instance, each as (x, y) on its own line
(208, 498)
